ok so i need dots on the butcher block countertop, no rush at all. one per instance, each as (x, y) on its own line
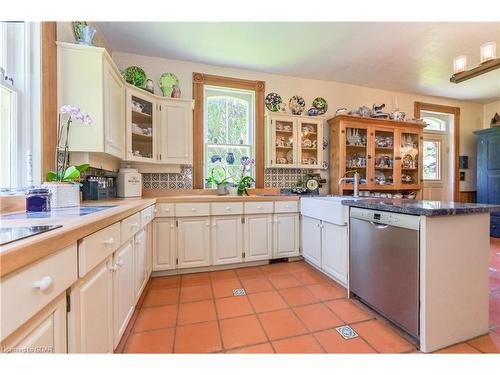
(20, 253)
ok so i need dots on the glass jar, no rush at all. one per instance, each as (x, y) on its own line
(38, 200)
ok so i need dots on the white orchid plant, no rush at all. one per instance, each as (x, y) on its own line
(64, 172)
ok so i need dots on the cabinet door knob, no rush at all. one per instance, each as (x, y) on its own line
(119, 262)
(109, 241)
(259, 207)
(44, 283)
(113, 268)
(134, 225)
(207, 224)
(172, 226)
(193, 209)
(228, 208)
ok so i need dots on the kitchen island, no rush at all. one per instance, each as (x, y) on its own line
(451, 242)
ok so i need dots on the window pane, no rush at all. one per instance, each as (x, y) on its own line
(432, 160)
(7, 105)
(227, 120)
(434, 123)
(217, 156)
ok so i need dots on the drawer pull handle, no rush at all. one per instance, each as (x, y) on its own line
(109, 241)
(228, 208)
(119, 262)
(193, 209)
(44, 283)
(287, 206)
(259, 207)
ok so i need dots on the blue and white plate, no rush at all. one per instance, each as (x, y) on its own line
(297, 104)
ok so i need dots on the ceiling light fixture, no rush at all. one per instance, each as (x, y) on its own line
(489, 62)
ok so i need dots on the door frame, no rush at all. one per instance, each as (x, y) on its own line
(455, 111)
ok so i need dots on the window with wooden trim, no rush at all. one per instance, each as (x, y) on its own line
(228, 123)
(19, 105)
(229, 127)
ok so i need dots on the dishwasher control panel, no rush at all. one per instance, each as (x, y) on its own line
(388, 218)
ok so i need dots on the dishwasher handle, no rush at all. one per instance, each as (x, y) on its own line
(379, 226)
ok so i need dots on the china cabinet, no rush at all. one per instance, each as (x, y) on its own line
(294, 141)
(387, 154)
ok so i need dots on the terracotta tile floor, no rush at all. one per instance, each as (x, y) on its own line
(289, 308)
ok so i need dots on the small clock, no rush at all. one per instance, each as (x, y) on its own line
(312, 185)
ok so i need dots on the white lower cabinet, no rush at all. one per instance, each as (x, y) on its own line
(91, 314)
(193, 241)
(325, 246)
(139, 263)
(311, 240)
(258, 237)
(286, 235)
(149, 250)
(227, 239)
(45, 333)
(334, 250)
(164, 244)
(123, 289)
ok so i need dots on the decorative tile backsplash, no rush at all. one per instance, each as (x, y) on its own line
(274, 178)
(279, 178)
(178, 181)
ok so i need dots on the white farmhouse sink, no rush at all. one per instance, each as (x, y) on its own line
(329, 209)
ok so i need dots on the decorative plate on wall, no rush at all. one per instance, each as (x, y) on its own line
(321, 105)
(297, 104)
(273, 102)
(167, 82)
(135, 76)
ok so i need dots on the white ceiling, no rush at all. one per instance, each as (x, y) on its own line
(407, 57)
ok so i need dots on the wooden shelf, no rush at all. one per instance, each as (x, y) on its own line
(409, 169)
(142, 137)
(355, 146)
(285, 147)
(348, 167)
(141, 118)
(384, 168)
(384, 148)
(284, 131)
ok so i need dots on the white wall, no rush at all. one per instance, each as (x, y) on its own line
(337, 95)
(489, 111)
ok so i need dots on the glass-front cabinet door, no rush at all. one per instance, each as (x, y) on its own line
(383, 157)
(141, 127)
(356, 154)
(282, 142)
(409, 159)
(310, 144)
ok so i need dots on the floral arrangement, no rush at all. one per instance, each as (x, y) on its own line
(64, 172)
(218, 176)
(245, 181)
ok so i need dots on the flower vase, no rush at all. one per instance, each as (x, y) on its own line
(63, 194)
(222, 189)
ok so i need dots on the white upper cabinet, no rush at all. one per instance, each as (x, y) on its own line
(128, 122)
(175, 131)
(294, 141)
(142, 130)
(88, 78)
(114, 112)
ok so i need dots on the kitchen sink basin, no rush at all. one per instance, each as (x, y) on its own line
(329, 208)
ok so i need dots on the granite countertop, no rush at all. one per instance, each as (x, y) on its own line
(424, 208)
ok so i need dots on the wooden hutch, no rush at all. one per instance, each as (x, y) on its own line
(386, 153)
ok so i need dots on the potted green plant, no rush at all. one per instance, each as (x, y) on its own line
(63, 183)
(245, 181)
(219, 178)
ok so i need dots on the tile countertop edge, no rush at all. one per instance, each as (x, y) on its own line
(416, 207)
(23, 252)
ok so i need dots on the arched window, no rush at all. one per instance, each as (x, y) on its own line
(434, 123)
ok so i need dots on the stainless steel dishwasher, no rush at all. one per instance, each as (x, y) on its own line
(384, 264)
